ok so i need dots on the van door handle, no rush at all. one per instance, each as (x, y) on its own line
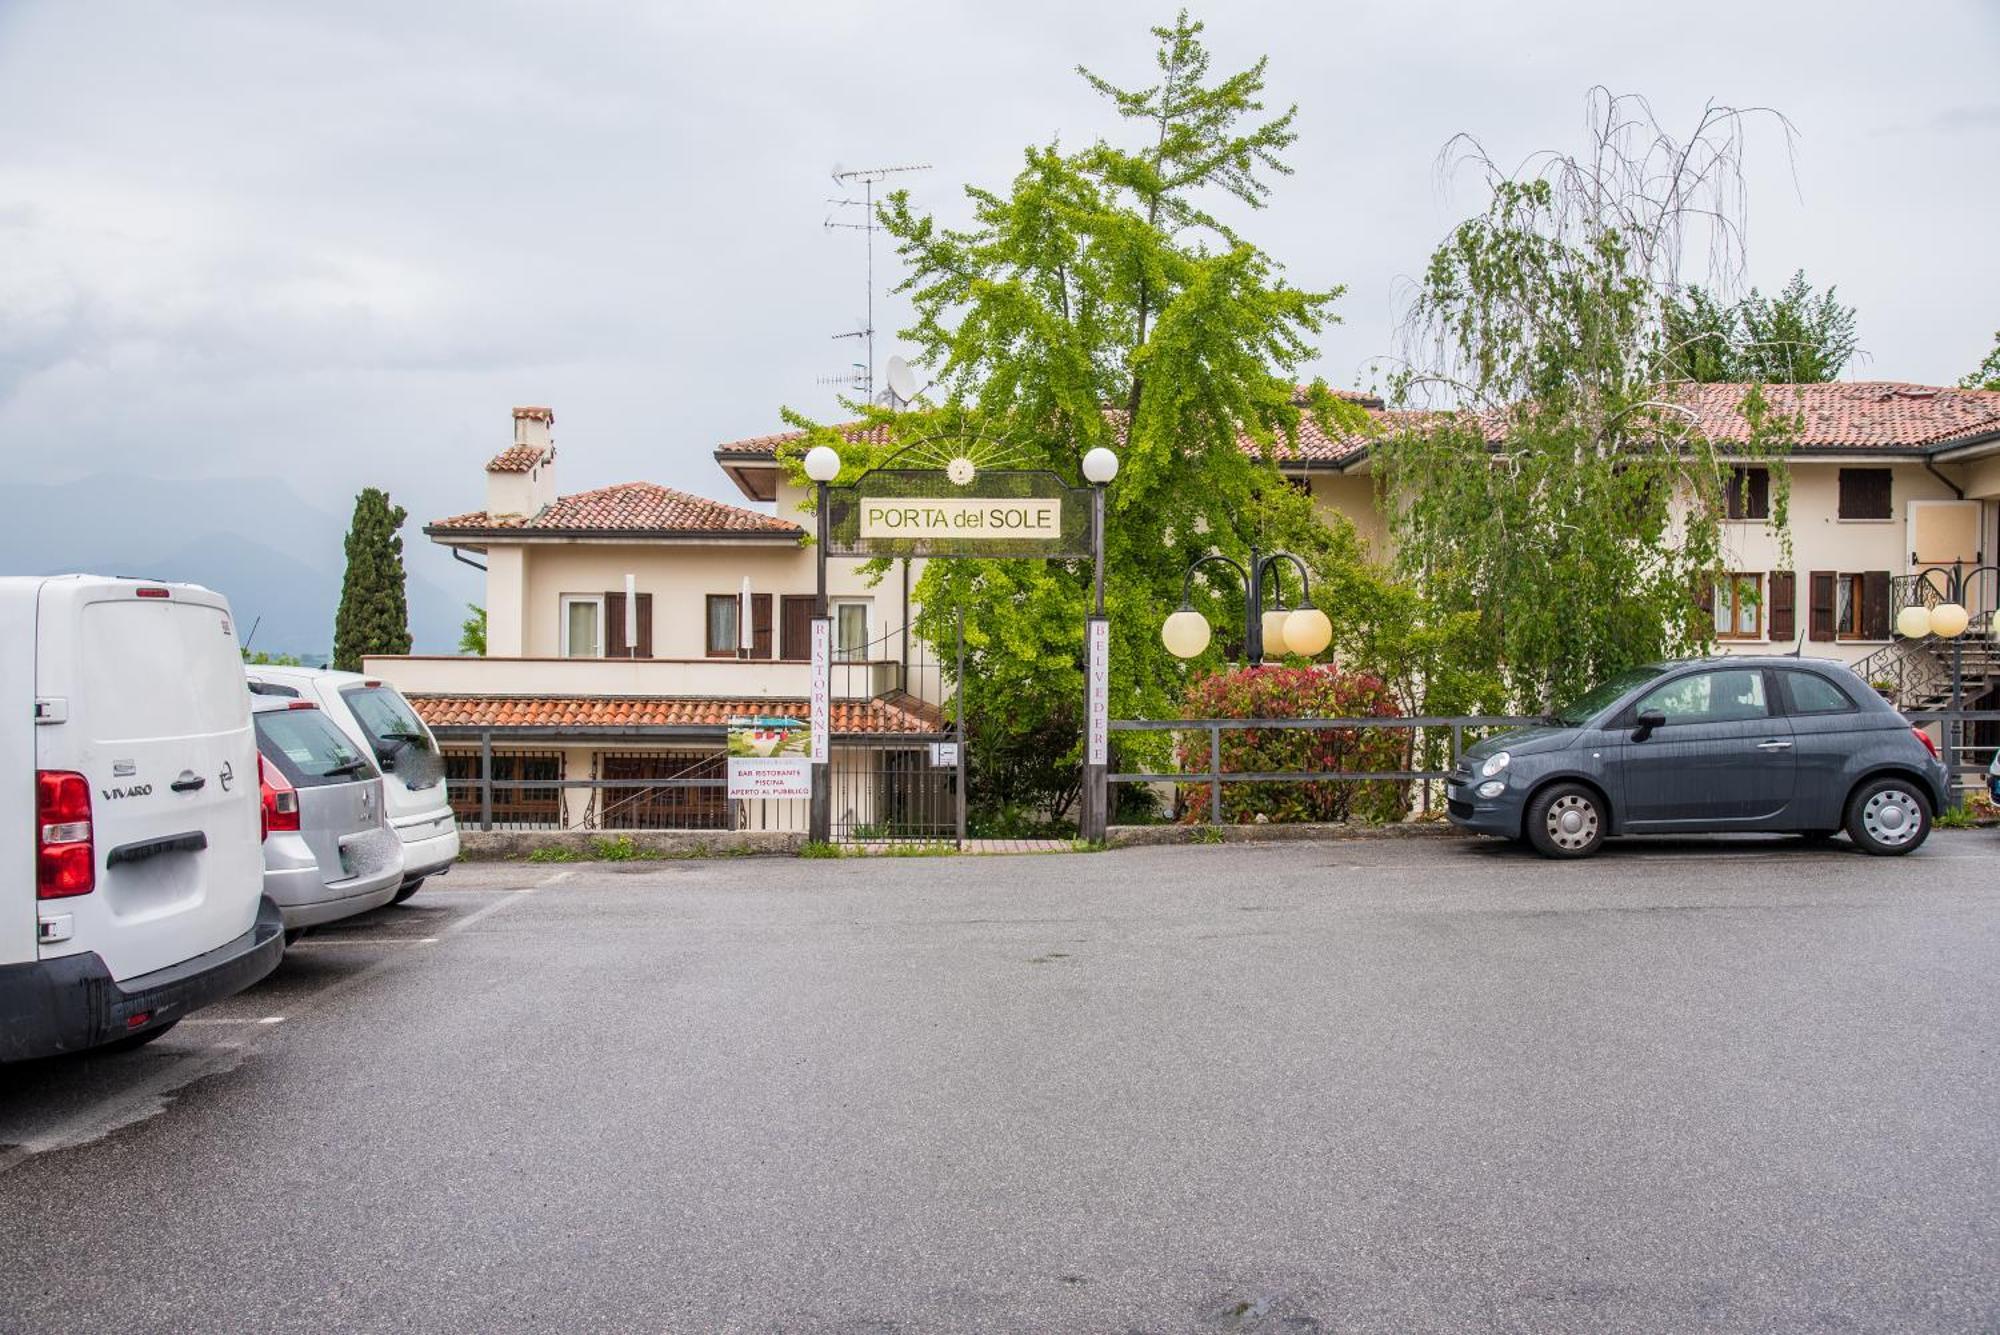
(189, 782)
(1774, 745)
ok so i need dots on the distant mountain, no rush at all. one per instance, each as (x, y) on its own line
(253, 539)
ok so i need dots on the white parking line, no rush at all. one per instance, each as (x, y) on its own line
(150, 1096)
(234, 1019)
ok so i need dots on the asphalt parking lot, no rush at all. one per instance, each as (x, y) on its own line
(1379, 1085)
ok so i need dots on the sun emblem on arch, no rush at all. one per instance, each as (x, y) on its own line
(961, 471)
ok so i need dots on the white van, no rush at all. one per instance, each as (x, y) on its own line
(131, 863)
(381, 722)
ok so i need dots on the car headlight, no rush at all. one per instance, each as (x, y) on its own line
(1495, 763)
(1493, 788)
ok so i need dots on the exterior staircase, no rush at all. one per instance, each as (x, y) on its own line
(1916, 674)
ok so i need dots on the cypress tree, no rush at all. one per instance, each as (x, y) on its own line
(374, 616)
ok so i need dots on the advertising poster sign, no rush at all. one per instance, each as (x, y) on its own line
(769, 757)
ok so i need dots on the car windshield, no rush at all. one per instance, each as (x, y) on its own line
(387, 718)
(308, 749)
(1586, 706)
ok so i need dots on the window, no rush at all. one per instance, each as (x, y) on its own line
(1850, 605)
(1739, 607)
(724, 610)
(583, 625)
(1810, 693)
(1749, 494)
(1864, 493)
(307, 749)
(1708, 697)
(1847, 605)
(850, 631)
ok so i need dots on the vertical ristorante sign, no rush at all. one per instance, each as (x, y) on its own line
(822, 702)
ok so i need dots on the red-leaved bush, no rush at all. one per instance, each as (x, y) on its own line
(1285, 692)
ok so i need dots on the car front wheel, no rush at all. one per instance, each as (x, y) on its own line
(1566, 821)
(1888, 817)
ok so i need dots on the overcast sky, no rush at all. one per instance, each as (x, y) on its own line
(338, 241)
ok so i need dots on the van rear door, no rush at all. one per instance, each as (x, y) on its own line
(17, 776)
(157, 719)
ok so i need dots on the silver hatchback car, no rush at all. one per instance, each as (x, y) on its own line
(329, 850)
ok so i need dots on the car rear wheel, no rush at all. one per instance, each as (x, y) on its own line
(406, 891)
(1888, 817)
(1566, 821)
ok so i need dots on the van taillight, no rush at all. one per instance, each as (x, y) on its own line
(281, 800)
(154, 593)
(65, 857)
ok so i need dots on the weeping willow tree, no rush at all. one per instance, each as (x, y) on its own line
(1102, 298)
(1560, 506)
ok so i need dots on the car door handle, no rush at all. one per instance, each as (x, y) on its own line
(189, 782)
(1774, 745)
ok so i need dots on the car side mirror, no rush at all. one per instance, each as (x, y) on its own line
(1644, 724)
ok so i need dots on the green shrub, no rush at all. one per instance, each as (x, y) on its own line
(1285, 692)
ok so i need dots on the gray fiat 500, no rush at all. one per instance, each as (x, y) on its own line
(329, 850)
(1716, 745)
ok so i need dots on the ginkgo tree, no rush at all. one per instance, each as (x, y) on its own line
(1107, 296)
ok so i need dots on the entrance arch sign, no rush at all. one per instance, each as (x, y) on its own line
(967, 496)
(954, 495)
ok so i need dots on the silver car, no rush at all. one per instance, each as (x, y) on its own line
(329, 850)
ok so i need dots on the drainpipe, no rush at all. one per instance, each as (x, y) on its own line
(1956, 490)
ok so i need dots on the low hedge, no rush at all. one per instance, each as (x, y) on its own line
(1288, 692)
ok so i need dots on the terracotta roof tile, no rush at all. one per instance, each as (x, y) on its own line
(1857, 415)
(629, 507)
(516, 459)
(617, 711)
(767, 446)
(535, 414)
(1854, 415)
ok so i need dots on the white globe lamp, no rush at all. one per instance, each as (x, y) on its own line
(1949, 620)
(1307, 631)
(1274, 632)
(1185, 633)
(1099, 466)
(822, 463)
(1914, 622)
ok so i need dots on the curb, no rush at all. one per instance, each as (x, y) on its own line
(1153, 836)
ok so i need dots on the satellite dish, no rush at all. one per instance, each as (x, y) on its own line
(902, 383)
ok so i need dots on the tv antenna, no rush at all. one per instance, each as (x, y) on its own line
(863, 377)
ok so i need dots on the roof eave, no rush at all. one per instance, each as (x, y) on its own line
(451, 536)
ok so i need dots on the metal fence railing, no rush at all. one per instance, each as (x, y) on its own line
(883, 788)
(1441, 736)
(1968, 749)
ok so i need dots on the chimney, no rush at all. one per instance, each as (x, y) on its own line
(521, 479)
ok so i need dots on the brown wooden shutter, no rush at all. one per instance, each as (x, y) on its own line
(645, 625)
(1760, 493)
(760, 621)
(1704, 597)
(1820, 627)
(1875, 605)
(1784, 605)
(614, 625)
(795, 627)
(1865, 493)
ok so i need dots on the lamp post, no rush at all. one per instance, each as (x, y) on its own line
(822, 467)
(1303, 630)
(1100, 465)
(1948, 621)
